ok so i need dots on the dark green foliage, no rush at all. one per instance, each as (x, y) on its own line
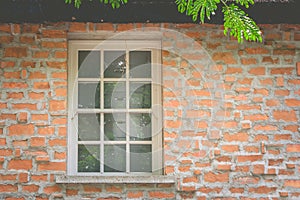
(114, 3)
(239, 25)
(236, 21)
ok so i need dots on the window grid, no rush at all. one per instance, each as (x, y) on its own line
(103, 110)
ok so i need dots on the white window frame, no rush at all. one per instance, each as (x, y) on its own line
(155, 47)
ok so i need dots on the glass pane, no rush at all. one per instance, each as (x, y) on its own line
(140, 126)
(115, 126)
(88, 95)
(114, 95)
(140, 158)
(140, 64)
(115, 64)
(140, 95)
(88, 127)
(88, 158)
(89, 64)
(114, 158)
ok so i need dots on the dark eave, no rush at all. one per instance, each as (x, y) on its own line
(39, 11)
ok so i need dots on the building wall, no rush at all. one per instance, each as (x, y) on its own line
(231, 113)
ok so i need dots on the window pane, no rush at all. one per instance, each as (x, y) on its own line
(140, 95)
(140, 126)
(115, 64)
(88, 158)
(114, 158)
(88, 127)
(140, 158)
(114, 95)
(89, 64)
(88, 95)
(140, 64)
(115, 126)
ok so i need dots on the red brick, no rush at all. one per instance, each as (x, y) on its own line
(5, 152)
(262, 190)
(256, 117)
(225, 57)
(20, 164)
(288, 116)
(23, 117)
(21, 129)
(298, 68)
(293, 148)
(60, 54)
(282, 70)
(54, 33)
(113, 189)
(104, 26)
(18, 52)
(46, 130)
(54, 45)
(230, 148)
(242, 137)
(32, 188)
(125, 27)
(5, 28)
(57, 65)
(272, 102)
(237, 190)
(292, 183)
(248, 61)
(30, 28)
(91, 188)
(77, 27)
(58, 142)
(161, 195)
(213, 177)
(7, 64)
(57, 105)
(27, 39)
(41, 54)
(8, 188)
(13, 85)
(37, 141)
(71, 192)
(41, 85)
(234, 70)
(135, 195)
(284, 52)
(26, 106)
(292, 102)
(35, 95)
(52, 189)
(265, 128)
(6, 39)
(249, 158)
(39, 178)
(256, 50)
(52, 166)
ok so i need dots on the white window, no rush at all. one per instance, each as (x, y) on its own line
(114, 108)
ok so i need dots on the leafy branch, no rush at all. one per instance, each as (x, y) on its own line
(236, 22)
(114, 3)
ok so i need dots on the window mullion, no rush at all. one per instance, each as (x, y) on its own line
(127, 113)
(102, 114)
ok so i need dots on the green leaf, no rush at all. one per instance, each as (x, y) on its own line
(239, 25)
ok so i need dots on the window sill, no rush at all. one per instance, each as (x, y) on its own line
(115, 179)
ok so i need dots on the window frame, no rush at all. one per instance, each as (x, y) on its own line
(157, 150)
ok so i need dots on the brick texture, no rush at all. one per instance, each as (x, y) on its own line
(231, 113)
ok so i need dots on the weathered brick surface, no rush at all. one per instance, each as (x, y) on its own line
(231, 113)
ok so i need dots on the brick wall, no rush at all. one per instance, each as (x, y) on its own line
(231, 113)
